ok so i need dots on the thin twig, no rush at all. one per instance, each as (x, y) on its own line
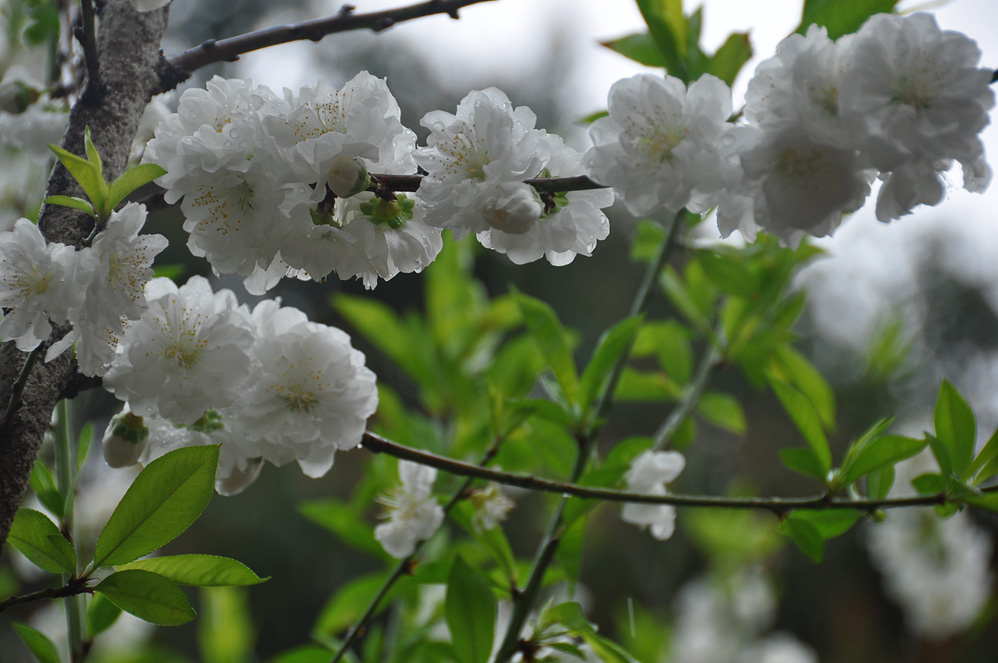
(73, 587)
(690, 397)
(88, 37)
(777, 505)
(229, 50)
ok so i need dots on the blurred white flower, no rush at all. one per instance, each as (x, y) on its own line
(491, 506)
(413, 512)
(649, 474)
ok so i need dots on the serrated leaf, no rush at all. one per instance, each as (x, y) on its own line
(163, 501)
(553, 341)
(804, 461)
(880, 452)
(806, 537)
(148, 596)
(72, 201)
(37, 643)
(842, 17)
(37, 538)
(470, 609)
(610, 351)
(132, 179)
(639, 47)
(730, 58)
(956, 427)
(198, 570)
(806, 418)
(101, 615)
(723, 410)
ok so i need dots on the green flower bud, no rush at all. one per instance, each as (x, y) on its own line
(126, 437)
(347, 176)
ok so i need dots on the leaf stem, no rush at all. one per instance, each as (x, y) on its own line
(73, 587)
(690, 397)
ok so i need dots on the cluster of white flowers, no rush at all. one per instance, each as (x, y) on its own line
(900, 99)
(936, 571)
(98, 289)
(267, 384)
(650, 473)
(413, 512)
(725, 620)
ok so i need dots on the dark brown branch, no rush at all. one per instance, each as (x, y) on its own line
(179, 67)
(88, 37)
(72, 588)
(546, 184)
(777, 505)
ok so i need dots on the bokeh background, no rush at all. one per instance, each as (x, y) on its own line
(892, 310)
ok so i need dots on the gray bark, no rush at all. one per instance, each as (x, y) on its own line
(128, 44)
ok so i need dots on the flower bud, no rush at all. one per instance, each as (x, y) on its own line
(126, 437)
(347, 176)
(512, 207)
(18, 90)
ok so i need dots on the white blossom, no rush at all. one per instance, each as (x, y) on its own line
(308, 394)
(570, 224)
(491, 506)
(188, 353)
(36, 285)
(658, 147)
(649, 474)
(413, 512)
(486, 143)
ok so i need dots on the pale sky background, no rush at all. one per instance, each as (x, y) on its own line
(870, 271)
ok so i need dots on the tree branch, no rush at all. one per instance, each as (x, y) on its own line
(177, 68)
(73, 587)
(129, 55)
(777, 505)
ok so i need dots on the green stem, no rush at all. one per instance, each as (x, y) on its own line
(403, 565)
(690, 397)
(67, 487)
(523, 602)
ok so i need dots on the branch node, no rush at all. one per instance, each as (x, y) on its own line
(346, 10)
(383, 24)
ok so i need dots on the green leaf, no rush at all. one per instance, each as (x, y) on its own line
(680, 297)
(553, 341)
(882, 451)
(955, 426)
(987, 501)
(670, 342)
(348, 603)
(226, 633)
(340, 519)
(605, 649)
(198, 570)
(806, 418)
(610, 350)
(806, 536)
(38, 539)
(493, 540)
(639, 47)
(929, 484)
(93, 156)
(37, 643)
(304, 654)
(729, 272)
(173, 271)
(648, 238)
(43, 483)
(722, 410)
(637, 385)
(983, 467)
(592, 117)
(804, 461)
(132, 179)
(72, 201)
(730, 58)
(86, 173)
(797, 370)
(162, 502)
(569, 552)
(84, 444)
(842, 17)
(470, 609)
(101, 615)
(830, 523)
(148, 596)
(880, 482)
(667, 25)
